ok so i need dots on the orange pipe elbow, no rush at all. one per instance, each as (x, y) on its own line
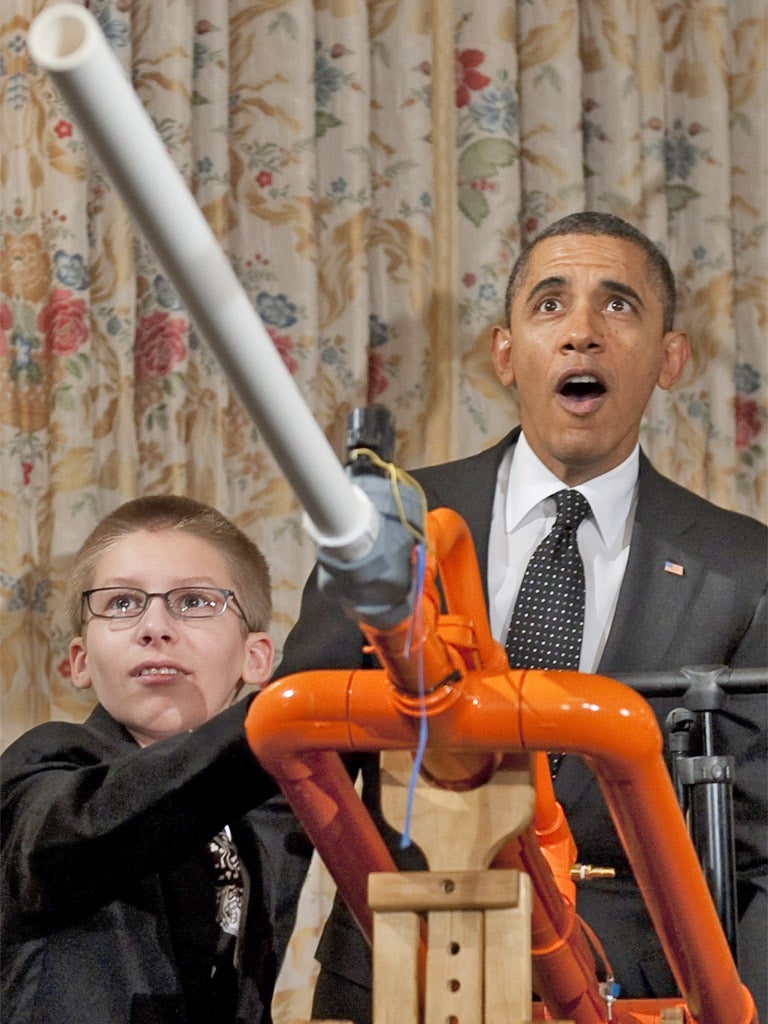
(615, 731)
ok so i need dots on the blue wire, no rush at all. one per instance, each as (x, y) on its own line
(418, 612)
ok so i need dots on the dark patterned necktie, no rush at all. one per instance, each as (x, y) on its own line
(548, 621)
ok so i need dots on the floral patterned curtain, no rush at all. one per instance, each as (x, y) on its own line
(371, 170)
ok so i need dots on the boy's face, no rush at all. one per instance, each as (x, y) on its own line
(156, 674)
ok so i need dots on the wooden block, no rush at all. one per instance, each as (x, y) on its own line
(395, 968)
(454, 977)
(478, 926)
(444, 890)
(508, 974)
(460, 830)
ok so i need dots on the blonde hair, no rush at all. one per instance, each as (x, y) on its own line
(246, 564)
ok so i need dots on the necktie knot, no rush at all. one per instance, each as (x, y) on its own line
(572, 509)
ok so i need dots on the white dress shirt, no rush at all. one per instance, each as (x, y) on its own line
(524, 513)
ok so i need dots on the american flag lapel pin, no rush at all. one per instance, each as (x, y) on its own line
(674, 568)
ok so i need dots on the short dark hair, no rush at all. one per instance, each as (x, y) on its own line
(590, 222)
(246, 563)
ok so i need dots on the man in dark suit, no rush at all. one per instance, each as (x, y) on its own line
(671, 580)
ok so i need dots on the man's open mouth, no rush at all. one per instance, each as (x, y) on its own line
(581, 387)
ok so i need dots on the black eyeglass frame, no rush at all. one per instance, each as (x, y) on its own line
(227, 594)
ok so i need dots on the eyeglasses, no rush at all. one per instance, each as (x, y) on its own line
(181, 602)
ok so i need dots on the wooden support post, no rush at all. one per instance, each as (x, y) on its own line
(477, 920)
(478, 947)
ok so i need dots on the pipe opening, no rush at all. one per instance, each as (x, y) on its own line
(58, 35)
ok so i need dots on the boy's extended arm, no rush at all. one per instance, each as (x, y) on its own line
(84, 812)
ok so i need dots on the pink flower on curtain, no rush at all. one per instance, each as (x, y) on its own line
(748, 423)
(284, 345)
(62, 321)
(159, 344)
(63, 129)
(377, 381)
(6, 323)
(467, 76)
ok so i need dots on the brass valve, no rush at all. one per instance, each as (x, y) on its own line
(586, 872)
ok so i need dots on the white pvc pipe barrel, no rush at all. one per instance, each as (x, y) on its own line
(66, 41)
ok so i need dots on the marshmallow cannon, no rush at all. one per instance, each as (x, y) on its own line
(487, 720)
(499, 917)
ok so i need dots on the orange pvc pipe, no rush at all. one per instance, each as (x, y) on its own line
(325, 801)
(563, 966)
(449, 547)
(321, 793)
(296, 735)
(553, 832)
(631, 1011)
(600, 719)
(460, 580)
(615, 731)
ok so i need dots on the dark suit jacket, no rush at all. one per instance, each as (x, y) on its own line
(715, 613)
(107, 892)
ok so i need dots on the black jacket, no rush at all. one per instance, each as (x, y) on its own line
(107, 891)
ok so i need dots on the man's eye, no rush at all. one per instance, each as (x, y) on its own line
(549, 305)
(619, 305)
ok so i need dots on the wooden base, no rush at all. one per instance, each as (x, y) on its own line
(474, 923)
(478, 947)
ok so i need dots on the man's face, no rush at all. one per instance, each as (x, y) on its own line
(156, 674)
(586, 349)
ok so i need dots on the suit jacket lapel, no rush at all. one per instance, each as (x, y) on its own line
(651, 608)
(468, 486)
(652, 602)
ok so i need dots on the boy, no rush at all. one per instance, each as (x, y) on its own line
(131, 876)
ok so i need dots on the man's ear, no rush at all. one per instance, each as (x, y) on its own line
(677, 352)
(78, 663)
(259, 656)
(501, 353)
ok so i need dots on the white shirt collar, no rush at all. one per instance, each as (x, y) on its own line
(610, 495)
